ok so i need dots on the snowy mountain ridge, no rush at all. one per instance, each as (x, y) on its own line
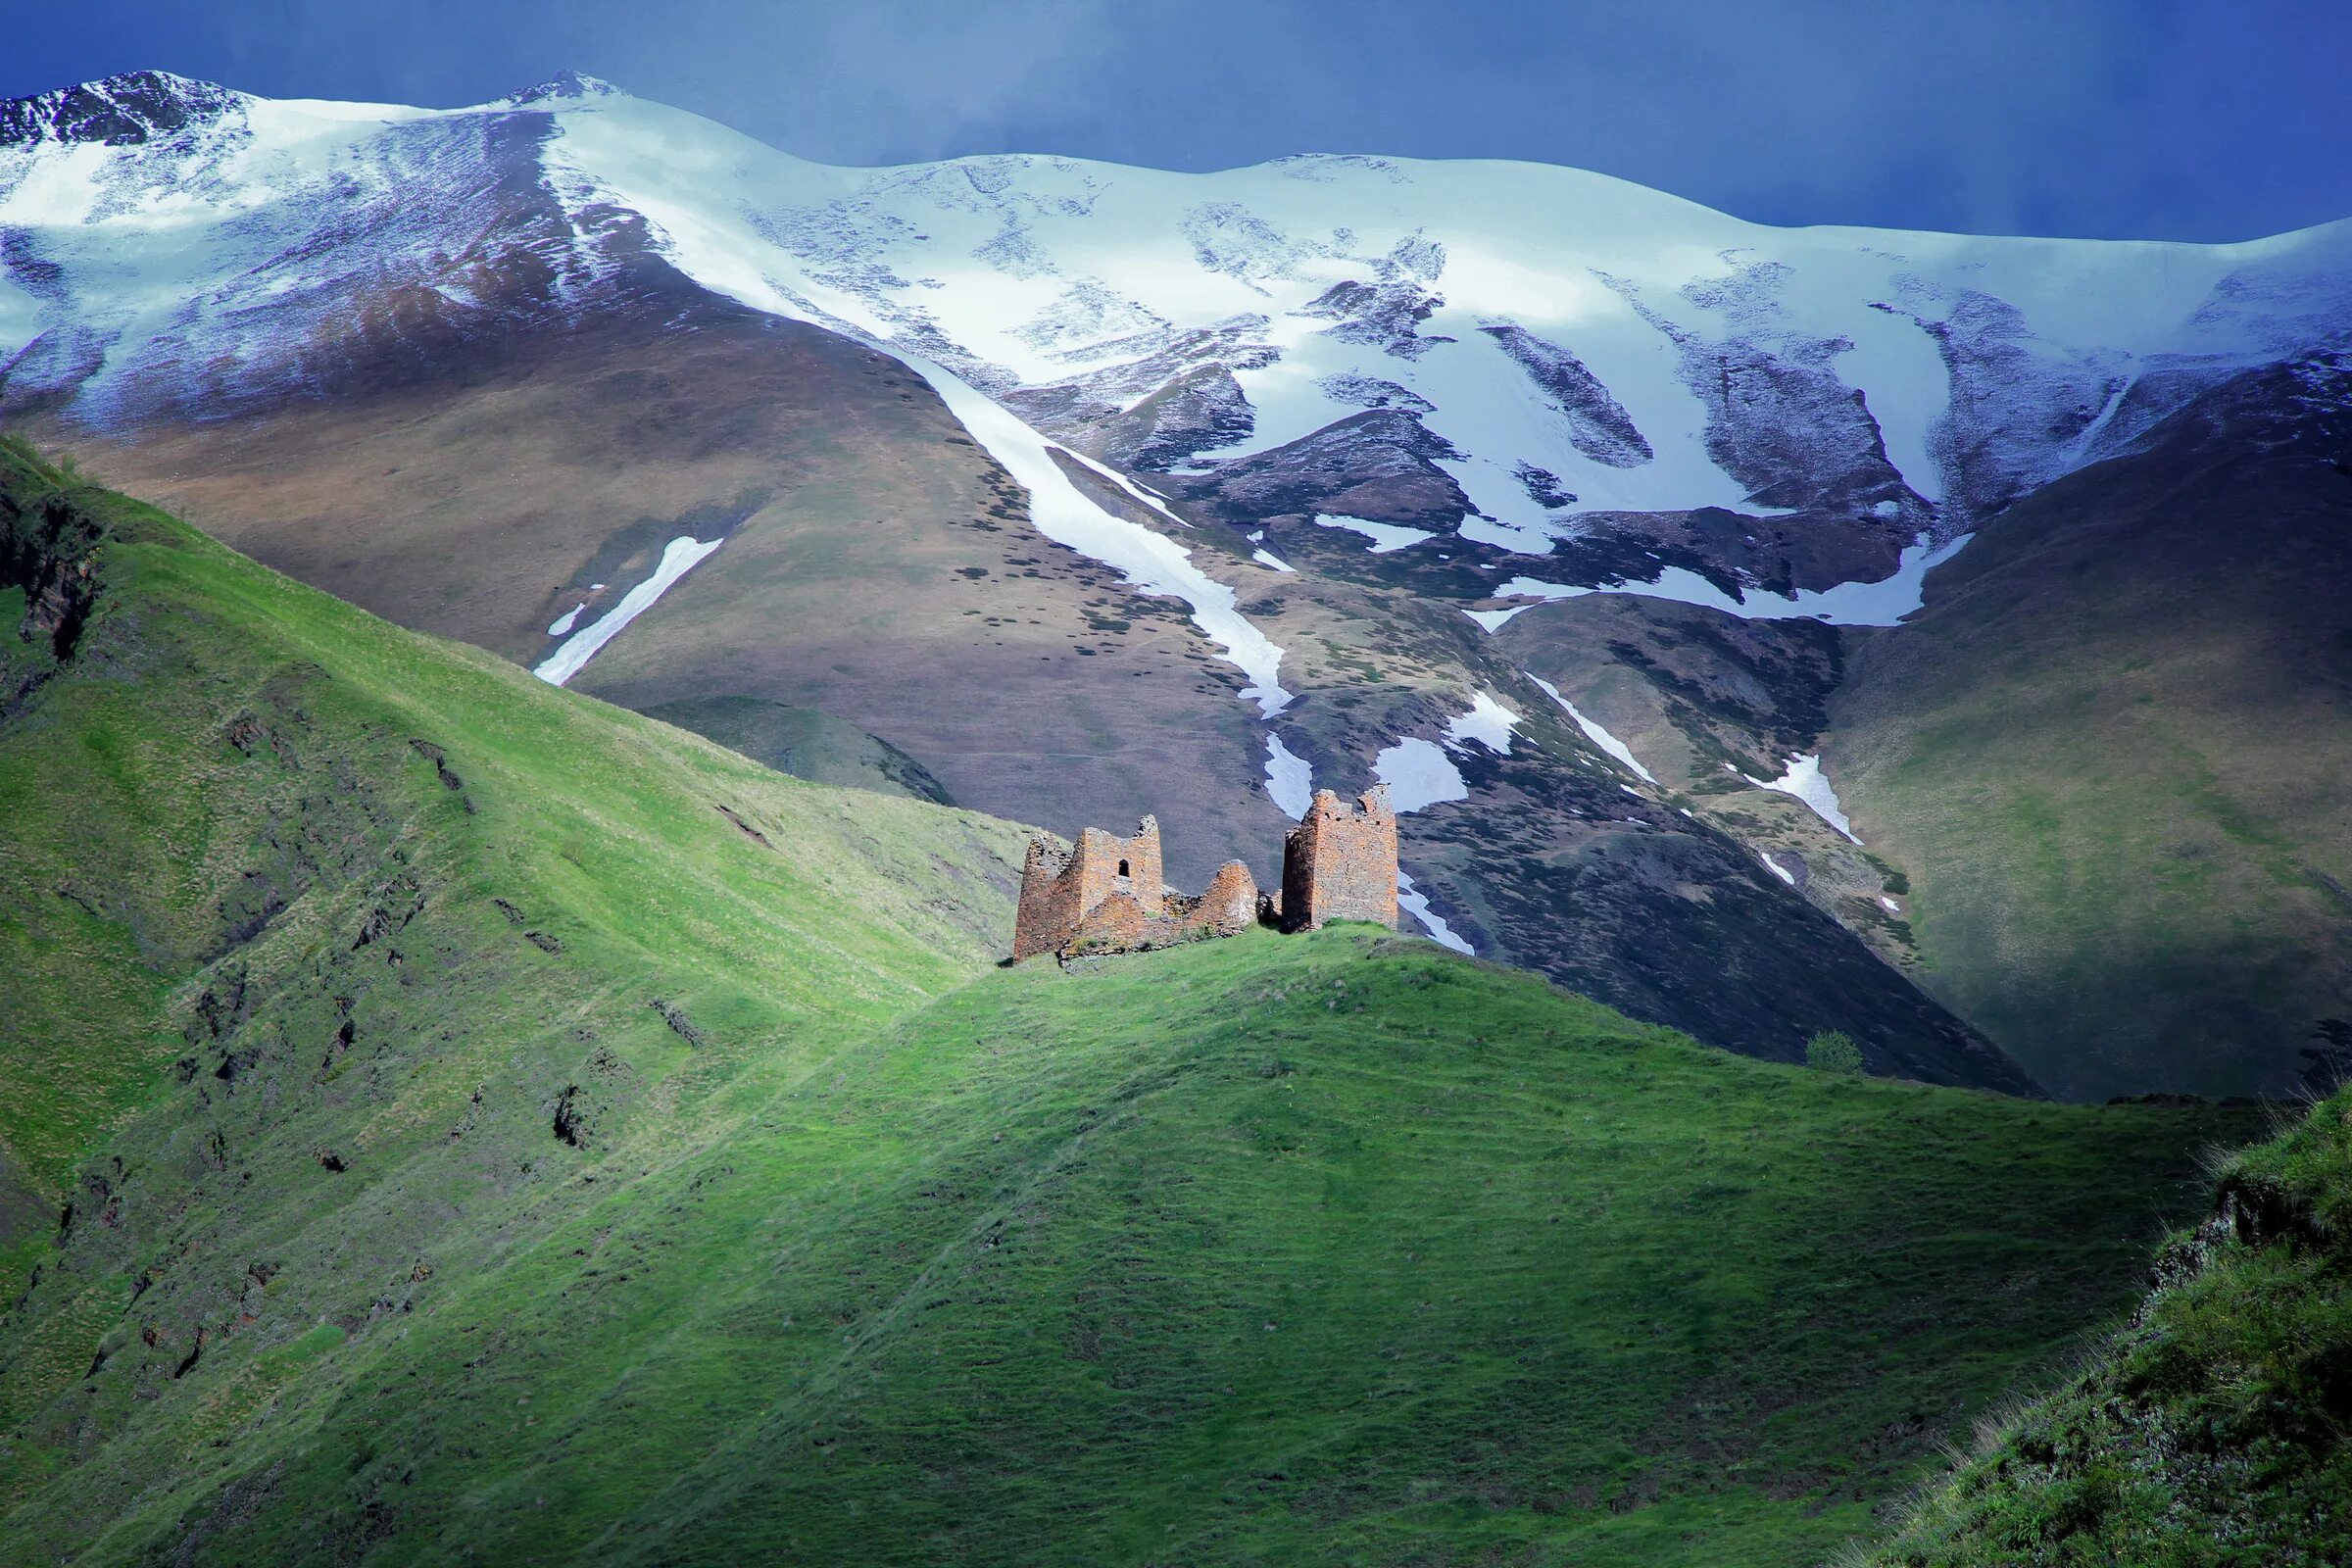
(1568, 340)
(1555, 348)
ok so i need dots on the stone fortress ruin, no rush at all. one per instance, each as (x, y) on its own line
(1105, 893)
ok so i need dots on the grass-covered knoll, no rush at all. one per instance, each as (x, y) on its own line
(2214, 1430)
(500, 1129)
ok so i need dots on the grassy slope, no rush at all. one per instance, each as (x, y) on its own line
(2113, 757)
(144, 847)
(2215, 1430)
(1268, 1249)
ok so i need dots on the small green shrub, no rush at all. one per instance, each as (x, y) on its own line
(1834, 1051)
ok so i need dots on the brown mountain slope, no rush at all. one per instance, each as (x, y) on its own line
(878, 566)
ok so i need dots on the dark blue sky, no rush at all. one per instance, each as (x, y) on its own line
(2156, 119)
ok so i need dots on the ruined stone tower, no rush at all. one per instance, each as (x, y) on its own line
(1061, 887)
(1106, 895)
(1339, 862)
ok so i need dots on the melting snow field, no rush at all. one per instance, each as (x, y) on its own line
(1289, 781)
(1777, 870)
(1496, 619)
(1267, 558)
(1150, 562)
(1851, 603)
(565, 621)
(678, 558)
(1416, 904)
(1805, 780)
(1487, 722)
(1419, 774)
(1596, 734)
(1385, 536)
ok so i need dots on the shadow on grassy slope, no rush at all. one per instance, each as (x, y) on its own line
(2216, 1428)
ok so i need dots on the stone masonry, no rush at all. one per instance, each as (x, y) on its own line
(1062, 885)
(1339, 862)
(1104, 894)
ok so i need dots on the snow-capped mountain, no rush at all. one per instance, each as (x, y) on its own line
(1561, 344)
(1306, 398)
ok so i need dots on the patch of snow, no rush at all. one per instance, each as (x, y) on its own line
(1805, 780)
(1634, 793)
(1906, 389)
(1596, 734)
(1487, 722)
(1149, 560)
(1419, 774)
(1777, 869)
(1849, 603)
(1290, 780)
(1385, 536)
(1105, 471)
(1495, 619)
(1267, 558)
(1417, 905)
(678, 558)
(1890, 906)
(565, 621)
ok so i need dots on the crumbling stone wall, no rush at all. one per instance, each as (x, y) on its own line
(1339, 862)
(1062, 885)
(1228, 907)
(1118, 924)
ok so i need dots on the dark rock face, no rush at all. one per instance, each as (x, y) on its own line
(1199, 410)
(1376, 464)
(134, 106)
(48, 548)
(1385, 315)
(1597, 422)
(1672, 921)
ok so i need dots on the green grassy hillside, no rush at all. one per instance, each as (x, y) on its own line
(2113, 754)
(482, 1125)
(2215, 1430)
(239, 794)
